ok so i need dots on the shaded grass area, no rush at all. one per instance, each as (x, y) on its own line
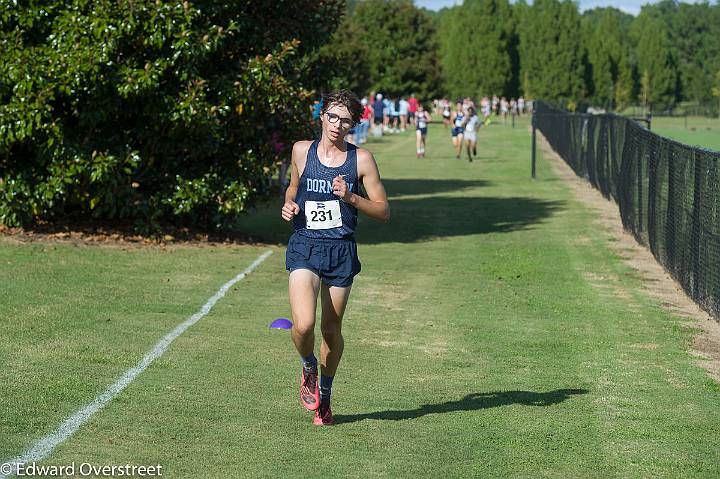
(492, 333)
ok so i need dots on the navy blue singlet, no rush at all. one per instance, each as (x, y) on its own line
(316, 185)
(459, 120)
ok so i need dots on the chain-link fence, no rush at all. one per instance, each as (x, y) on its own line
(668, 192)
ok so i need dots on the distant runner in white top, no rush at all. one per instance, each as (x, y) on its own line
(471, 125)
(422, 117)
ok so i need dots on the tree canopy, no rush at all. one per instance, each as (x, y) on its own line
(479, 39)
(143, 111)
(401, 47)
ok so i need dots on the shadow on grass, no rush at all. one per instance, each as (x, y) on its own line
(471, 402)
(422, 218)
(412, 186)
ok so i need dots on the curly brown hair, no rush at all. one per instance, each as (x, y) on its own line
(345, 98)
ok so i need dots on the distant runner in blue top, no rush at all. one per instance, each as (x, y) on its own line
(322, 201)
(458, 119)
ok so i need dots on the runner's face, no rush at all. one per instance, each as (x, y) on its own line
(339, 129)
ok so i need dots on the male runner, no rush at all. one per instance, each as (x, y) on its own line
(322, 201)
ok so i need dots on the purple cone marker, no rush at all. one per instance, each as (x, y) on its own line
(281, 323)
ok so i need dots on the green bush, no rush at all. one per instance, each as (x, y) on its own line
(145, 112)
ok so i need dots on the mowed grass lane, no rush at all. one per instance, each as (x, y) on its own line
(492, 333)
(696, 131)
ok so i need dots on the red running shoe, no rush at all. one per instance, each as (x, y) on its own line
(323, 416)
(309, 392)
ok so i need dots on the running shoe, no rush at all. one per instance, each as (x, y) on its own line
(323, 416)
(309, 392)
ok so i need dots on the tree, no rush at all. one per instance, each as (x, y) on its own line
(655, 60)
(402, 47)
(608, 54)
(625, 83)
(645, 89)
(551, 51)
(716, 88)
(478, 48)
(144, 112)
(695, 36)
(343, 62)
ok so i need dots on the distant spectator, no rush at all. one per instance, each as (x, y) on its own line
(412, 108)
(365, 120)
(378, 107)
(395, 112)
(316, 108)
(403, 110)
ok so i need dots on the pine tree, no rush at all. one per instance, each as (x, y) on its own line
(716, 88)
(655, 59)
(551, 51)
(608, 55)
(477, 53)
(402, 47)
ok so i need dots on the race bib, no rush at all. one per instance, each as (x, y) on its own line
(322, 215)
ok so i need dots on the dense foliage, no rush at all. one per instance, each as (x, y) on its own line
(667, 54)
(608, 55)
(480, 38)
(400, 47)
(143, 112)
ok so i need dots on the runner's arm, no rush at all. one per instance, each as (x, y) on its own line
(290, 208)
(376, 204)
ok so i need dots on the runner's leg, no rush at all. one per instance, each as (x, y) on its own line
(303, 286)
(334, 299)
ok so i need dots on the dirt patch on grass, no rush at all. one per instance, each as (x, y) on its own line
(92, 235)
(609, 285)
(657, 282)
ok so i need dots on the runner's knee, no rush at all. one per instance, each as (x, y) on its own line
(304, 328)
(331, 328)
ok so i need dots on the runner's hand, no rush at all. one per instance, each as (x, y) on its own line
(340, 189)
(289, 210)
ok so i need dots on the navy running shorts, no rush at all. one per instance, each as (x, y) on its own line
(423, 131)
(458, 130)
(335, 261)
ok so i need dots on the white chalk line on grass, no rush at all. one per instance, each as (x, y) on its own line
(45, 446)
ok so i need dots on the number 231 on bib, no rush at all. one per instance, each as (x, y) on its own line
(322, 215)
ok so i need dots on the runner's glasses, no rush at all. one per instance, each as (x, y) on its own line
(346, 123)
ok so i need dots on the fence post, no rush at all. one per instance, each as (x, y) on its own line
(533, 145)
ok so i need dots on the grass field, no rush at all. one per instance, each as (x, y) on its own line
(492, 333)
(697, 131)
